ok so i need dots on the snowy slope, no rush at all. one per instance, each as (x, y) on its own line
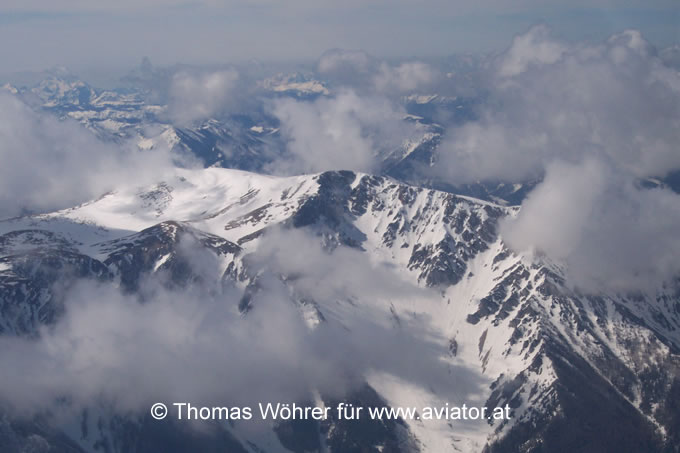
(503, 328)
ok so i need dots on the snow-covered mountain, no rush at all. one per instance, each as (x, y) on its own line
(580, 372)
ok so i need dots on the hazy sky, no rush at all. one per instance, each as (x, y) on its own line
(82, 34)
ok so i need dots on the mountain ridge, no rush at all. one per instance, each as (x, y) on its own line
(546, 349)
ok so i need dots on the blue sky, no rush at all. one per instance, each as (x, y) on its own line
(35, 34)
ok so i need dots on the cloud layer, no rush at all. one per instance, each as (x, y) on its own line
(194, 345)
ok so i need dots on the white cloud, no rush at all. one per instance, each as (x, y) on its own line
(360, 124)
(50, 164)
(364, 73)
(194, 345)
(616, 100)
(593, 120)
(611, 234)
(405, 78)
(329, 275)
(195, 97)
(531, 48)
(346, 131)
(110, 347)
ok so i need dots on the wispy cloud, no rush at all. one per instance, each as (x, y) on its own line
(195, 97)
(346, 131)
(49, 164)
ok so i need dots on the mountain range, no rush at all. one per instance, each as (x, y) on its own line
(420, 264)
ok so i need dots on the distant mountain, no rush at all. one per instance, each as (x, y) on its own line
(251, 140)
